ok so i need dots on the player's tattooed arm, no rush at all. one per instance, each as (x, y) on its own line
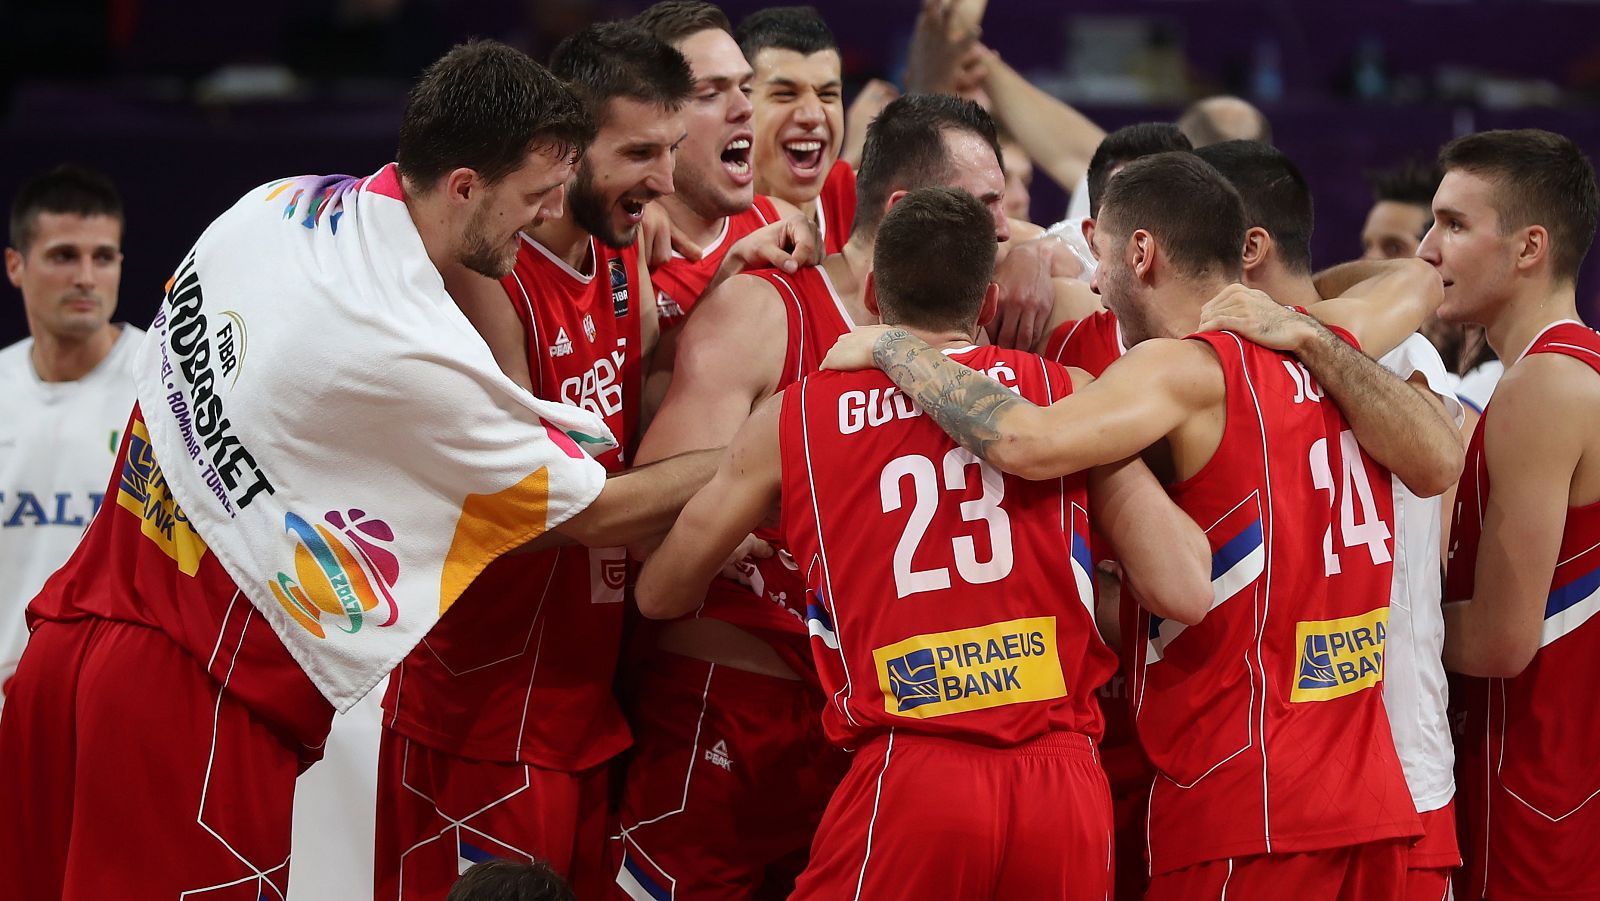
(965, 403)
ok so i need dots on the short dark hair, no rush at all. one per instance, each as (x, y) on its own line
(67, 189)
(797, 28)
(1125, 145)
(1190, 208)
(485, 106)
(1275, 194)
(1540, 178)
(510, 880)
(674, 20)
(620, 59)
(1413, 181)
(905, 149)
(933, 259)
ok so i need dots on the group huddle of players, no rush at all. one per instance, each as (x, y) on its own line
(1137, 592)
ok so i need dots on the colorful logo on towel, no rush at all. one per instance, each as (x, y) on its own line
(341, 575)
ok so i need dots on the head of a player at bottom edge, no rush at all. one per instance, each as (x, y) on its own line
(932, 265)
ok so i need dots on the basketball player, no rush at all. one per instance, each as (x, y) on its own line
(64, 391)
(728, 702)
(715, 213)
(1513, 218)
(1289, 655)
(957, 666)
(136, 665)
(1277, 261)
(798, 93)
(513, 687)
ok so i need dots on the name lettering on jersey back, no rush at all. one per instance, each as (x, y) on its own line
(142, 490)
(1339, 657)
(599, 390)
(877, 406)
(941, 673)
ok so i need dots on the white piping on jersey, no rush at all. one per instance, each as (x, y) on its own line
(579, 277)
(827, 572)
(876, 798)
(526, 639)
(457, 824)
(722, 235)
(822, 226)
(800, 320)
(1541, 335)
(535, 371)
(1586, 350)
(833, 293)
(1248, 569)
(222, 632)
(688, 776)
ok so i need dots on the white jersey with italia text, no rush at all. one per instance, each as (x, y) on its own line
(58, 441)
(1413, 680)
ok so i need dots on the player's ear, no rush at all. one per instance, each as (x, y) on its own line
(1534, 248)
(871, 298)
(991, 304)
(1141, 252)
(1088, 236)
(894, 198)
(1257, 247)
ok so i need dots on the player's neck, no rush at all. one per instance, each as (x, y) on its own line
(948, 339)
(1523, 317)
(566, 239)
(67, 359)
(848, 270)
(1178, 314)
(697, 228)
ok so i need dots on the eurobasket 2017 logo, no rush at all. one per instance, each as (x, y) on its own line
(341, 575)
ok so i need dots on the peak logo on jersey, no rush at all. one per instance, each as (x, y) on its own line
(619, 288)
(940, 673)
(563, 345)
(329, 579)
(1339, 657)
(142, 490)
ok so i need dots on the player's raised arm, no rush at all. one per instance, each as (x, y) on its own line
(1139, 401)
(1404, 432)
(1060, 139)
(745, 488)
(1380, 302)
(1532, 446)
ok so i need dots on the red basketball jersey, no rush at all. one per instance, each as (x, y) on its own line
(1266, 720)
(1530, 757)
(521, 667)
(942, 595)
(141, 562)
(836, 206)
(680, 282)
(1091, 343)
(817, 318)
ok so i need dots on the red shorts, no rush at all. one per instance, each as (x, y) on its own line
(729, 778)
(1353, 873)
(439, 814)
(923, 817)
(126, 772)
(1433, 856)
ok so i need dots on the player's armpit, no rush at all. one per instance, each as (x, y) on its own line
(1164, 556)
(730, 353)
(716, 520)
(1532, 445)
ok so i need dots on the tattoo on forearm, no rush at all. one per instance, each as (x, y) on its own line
(964, 402)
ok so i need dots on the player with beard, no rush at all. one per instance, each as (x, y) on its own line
(1514, 217)
(720, 226)
(1289, 656)
(728, 700)
(799, 116)
(513, 687)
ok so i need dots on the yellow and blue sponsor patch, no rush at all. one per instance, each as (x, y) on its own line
(1339, 657)
(142, 490)
(940, 673)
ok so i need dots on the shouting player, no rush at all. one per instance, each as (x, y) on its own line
(959, 655)
(1513, 219)
(725, 702)
(1289, 657)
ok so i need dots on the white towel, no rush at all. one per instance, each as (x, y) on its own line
(338, 433)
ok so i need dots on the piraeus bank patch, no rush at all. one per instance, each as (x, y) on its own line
(940, 673)
(1339, 657)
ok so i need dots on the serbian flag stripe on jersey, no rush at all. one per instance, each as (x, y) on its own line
(818, 622)
(1082, 560)
(1575, 602)
(1236, 563)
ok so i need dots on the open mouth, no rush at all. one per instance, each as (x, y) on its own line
(633, 208)
(736, 160)
(804, 157)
